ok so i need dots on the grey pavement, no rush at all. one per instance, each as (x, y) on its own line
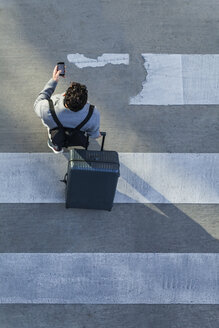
(108, 316)
(34, 36)
(128, 228)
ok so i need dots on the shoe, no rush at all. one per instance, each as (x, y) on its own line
(55, 149)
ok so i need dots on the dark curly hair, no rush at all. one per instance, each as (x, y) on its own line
(76, 96)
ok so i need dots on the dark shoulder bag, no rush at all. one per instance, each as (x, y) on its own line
(67, 137)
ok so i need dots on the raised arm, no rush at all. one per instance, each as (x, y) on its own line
(47, 91)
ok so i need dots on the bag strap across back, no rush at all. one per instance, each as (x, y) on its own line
(59, 124)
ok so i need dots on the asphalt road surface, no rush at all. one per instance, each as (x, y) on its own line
(35, 292)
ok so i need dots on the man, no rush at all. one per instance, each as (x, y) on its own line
(71, 109)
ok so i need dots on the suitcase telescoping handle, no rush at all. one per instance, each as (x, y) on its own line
(103, 134)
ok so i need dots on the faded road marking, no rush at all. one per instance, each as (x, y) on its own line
(81, 61)
(175, 79)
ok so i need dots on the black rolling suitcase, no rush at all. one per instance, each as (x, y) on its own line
(91, 178)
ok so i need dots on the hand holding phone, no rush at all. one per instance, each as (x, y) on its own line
(61, 67)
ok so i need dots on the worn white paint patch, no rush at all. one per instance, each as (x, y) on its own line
(163, 84)
(145, 178)
(175, 79)
(109, 278)
(81, 61)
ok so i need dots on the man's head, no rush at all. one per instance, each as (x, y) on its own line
(76, 96)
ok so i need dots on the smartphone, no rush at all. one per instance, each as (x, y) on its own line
(61, 66)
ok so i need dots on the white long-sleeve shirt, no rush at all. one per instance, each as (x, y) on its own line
(67, 117)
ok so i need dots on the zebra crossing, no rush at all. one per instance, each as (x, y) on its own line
(145, 178)
(99, 278)
(152, 69)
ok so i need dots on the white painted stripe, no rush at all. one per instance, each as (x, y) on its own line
(81, 61)
(121, 278)
(174, 79)
(145, 178)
